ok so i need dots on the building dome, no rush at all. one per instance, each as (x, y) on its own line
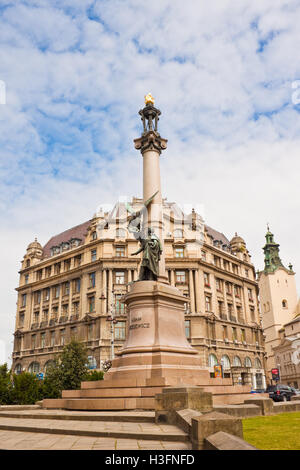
(34, 245)
(237, 243)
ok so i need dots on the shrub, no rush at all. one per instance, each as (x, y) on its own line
(5, 385)
(94, 375)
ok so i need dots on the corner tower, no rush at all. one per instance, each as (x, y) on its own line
(278, 297)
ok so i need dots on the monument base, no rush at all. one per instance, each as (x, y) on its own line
(155, 355)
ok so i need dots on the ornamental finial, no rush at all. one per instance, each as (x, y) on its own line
(149, 99)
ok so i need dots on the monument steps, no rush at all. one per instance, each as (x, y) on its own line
(120, 417)
(141, 431)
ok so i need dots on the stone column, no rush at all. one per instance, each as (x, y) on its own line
(191, 291)
(172, 277)
(151, 145)
(129, 275)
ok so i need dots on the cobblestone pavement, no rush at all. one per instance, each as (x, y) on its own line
(16, 440)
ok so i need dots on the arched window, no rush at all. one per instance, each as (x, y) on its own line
(225, 361)
(48, 364)
(212, 360)
(34, 368)
(284, 303)
(18, 369)
(248, 362)
(257, 363)
(237, 361)
(120, 233)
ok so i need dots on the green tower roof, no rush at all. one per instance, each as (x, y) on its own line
(271, 251)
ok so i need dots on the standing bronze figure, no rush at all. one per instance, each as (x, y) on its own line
(150, 244)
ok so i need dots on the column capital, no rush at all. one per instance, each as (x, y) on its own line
(150, 141)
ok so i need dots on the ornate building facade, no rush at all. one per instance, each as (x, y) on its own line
(278, 298)
(74, 287)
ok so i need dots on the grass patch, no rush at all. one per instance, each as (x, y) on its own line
(277, 432)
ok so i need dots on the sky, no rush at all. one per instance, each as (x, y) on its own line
(73, 75)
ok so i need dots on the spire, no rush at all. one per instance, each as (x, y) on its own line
(271, 251)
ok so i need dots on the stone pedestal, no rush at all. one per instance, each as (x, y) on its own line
(156, 345)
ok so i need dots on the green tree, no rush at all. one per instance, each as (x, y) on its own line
(5, 385)
(25, 389)
(72, 365)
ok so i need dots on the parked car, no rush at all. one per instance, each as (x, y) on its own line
(280, 392)
(295, 390)
(258, 390)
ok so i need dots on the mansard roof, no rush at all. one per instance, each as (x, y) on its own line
(79, 232)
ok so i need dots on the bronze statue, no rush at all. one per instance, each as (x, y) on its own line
(150, 244)
(152, 249)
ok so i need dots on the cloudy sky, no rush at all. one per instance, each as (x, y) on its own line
(224, 74)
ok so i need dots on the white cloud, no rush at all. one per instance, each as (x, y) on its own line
(76, 72)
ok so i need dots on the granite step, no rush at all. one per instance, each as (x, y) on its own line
(143, 431)
(120, 417)
(127, 392)
(103, 404)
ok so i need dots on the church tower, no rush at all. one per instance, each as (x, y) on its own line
(278, 297)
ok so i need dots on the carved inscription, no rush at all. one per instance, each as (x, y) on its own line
(135, 325)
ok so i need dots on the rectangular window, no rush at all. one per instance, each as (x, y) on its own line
(120, 330)
(225, 332)
(23, 300)
(230, 309)
(219, 285)
(234, 335)
(217, 261)
(43, 340)
(120, 251)
(57, 268)
(54, 312)
(52, 338)
(48, 271)
(21, 320)
(207, 303)
(75, 308)
(237, 291)
(62, 337)
(247, 272)
(74, 332)
(92, 279)
(226, 265)
(252, 314)
(180, 276)
(46, 294)
(67, 265)
(220, 307)
(179, 252)
(120, 306)
(235, 268)
(77, 286)
(90, 332)
(37, 297)
(250, 295)
(203, 255)
(91, 302)
(206, 280)
(94, 255)
(77, 260)
(33, 341)
(26, 278)
(39, 275)
(228, 288)
(45, 315)
(66, 288)
(120, 277)
(187, 325)
(65, 310)
(243, 335)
